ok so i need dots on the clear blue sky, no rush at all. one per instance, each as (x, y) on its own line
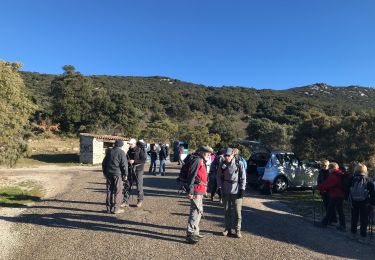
(274, 44)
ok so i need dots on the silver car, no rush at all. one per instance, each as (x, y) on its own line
(284, 170)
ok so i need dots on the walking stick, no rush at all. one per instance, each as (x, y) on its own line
(371, 223)
(313, 194)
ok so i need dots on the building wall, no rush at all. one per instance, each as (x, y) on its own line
(98, 151)
(86, 149)
(92, 150)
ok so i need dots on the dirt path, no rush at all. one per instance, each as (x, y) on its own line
(72, 225)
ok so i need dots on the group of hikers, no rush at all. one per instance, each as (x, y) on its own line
(162, 155)
(123, 170)
(357, 189)
(224, 173)
(226, 176)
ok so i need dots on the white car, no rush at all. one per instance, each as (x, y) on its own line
(284, 170)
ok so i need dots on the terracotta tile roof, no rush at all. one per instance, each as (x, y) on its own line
(105, 137)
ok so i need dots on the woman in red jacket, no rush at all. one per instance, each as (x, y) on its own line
(333, 186)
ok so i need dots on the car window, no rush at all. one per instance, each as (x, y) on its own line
(292, 159)
(280, 157)
(260, 159)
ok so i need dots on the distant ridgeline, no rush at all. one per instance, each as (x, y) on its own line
(163, 109)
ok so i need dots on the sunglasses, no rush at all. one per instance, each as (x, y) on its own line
(227, 155)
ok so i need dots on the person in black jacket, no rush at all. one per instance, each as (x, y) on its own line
(323, 174)
(115, 170)
(362, 197)
(137, 159)
(163, 154)
(154, 156)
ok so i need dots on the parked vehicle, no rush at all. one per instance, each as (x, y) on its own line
(284, 170)
(255, 167)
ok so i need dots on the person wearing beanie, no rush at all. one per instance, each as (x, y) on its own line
(115, 170)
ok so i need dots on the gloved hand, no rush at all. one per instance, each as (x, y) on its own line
(241, 193)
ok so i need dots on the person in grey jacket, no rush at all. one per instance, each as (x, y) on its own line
(115, 170)
(231, 180)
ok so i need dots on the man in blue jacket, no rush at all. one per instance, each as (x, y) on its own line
(115, 170)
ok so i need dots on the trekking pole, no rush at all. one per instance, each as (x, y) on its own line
(371, 223)
(313, 194)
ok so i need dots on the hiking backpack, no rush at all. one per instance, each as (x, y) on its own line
(358, 189)
(185, 168)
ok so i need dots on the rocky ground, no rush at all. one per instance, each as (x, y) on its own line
(70, 223)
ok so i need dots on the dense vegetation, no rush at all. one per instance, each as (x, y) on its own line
(317, 121)
(15, 111)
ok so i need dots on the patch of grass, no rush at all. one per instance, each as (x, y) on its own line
(64, 159)
(303, 203)
(21, 195)
(56, 150)
(300, 202)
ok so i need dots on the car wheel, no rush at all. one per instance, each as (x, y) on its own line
(280, 184)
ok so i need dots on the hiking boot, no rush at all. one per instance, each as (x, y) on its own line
(192, 239)
(163, 174)
(199, 236)
(341, 228)
(226, 232)
(238, 233)
(118, 211)
(139, 204)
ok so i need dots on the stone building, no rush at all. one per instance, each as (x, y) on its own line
(93, 147)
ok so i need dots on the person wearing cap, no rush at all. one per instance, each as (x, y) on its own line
(115, 170)
(231, 180)
(137, 159)
(196, 188)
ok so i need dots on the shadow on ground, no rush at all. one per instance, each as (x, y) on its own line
(56, 158)
(277, 226)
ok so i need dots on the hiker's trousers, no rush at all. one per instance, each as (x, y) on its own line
(325, 199)
(114, 192)
(335, 204)
(162, 166)
(229, 201)
(196, 211)
(152, 168)
(134, 177)
(359, 211)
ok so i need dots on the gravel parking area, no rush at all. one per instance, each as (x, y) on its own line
(72, 225)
